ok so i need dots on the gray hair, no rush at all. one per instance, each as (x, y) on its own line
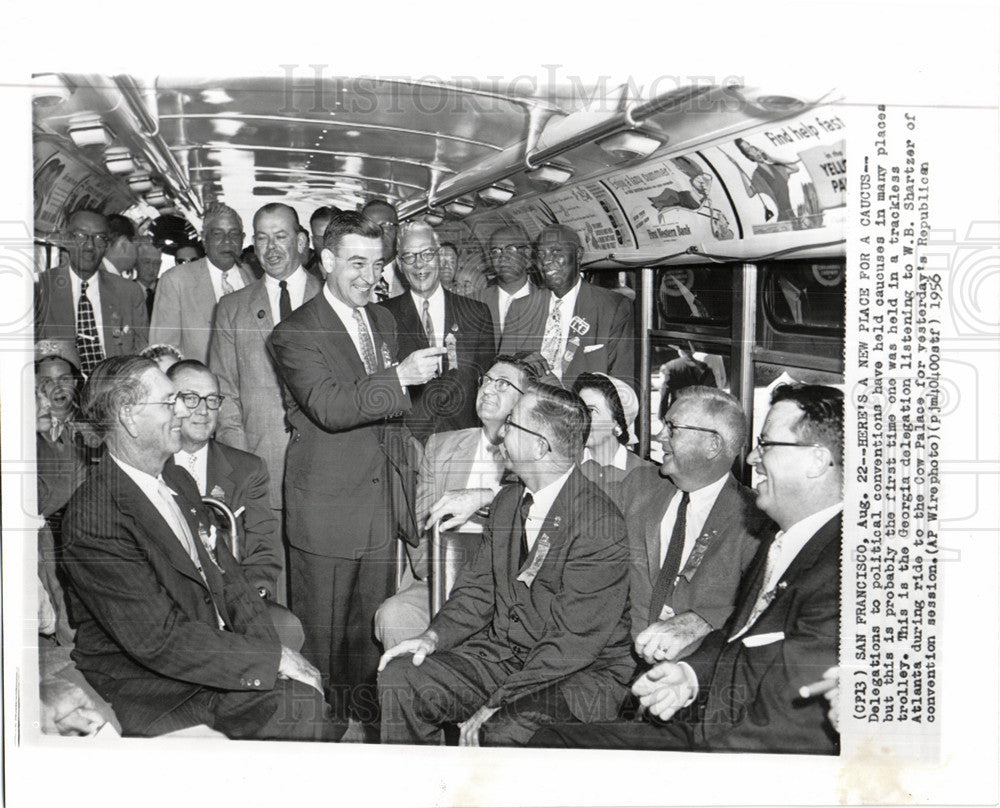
(724, 411)
(219, 210)
(415, 228)
(115, 383)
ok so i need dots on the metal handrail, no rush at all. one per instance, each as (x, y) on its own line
(222, 508)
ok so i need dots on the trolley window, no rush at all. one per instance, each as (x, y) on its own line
(695, 294)
(804, 296)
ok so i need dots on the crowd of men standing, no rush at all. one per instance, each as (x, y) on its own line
(342, 403)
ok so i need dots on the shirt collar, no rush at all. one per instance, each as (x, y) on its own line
(340, 308)
(542, 499)
(710, 492)
(436, 299)
(568, 299)
(199, 453)
(147, 482)
(211, 266)
(293, 280)
(619, 461)
(804, 529)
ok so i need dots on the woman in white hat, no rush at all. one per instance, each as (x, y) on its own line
(613, 408)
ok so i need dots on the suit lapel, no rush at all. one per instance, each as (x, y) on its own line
(719, 519)
(219, 473)
(457, 469)
(111, 317)
(61, 303)
(259, 303)
(337, 343)
(313, 285)
(409, 321)
(658, 508)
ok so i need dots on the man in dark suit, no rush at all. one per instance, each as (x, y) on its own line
(104, 318)
(576, 326)
(536, 628)
(169, 630)
(428, 315)
(337, 359)
(510, 258)
(740, 690)
(693, 529)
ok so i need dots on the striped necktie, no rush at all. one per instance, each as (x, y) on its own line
(428, 324)
(365, 341)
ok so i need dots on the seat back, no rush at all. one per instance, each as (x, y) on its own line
(450, 552)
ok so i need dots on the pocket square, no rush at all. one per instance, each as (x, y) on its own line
(757, 640)
(592, 348)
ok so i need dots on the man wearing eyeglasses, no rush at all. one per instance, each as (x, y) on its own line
(383, 214)
(103, 313)
(430, 316)
(169, 630)
(510, 257)
(575, 326)
(740, 691)
(459, 474)
(186, 295)
(536, 628)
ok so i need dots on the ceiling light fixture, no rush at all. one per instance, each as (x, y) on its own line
(550, 174)
(118, 160)
(140, 183)
(498, 194)
(88, 130)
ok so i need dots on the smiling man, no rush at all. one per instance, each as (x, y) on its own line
(336, 355)
(186, 295)
(510, 258)
(427, 316)
(536, 628)
(169, 631)
(576, 326)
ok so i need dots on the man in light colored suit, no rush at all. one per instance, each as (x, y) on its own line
(576, 326)
(104, 318)
(693, 529)
(510, 256)
(252, 417)
(184, 308)
(459, 474)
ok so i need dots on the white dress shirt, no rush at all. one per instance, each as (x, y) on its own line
(296, 292)
(485, 471)
(346, 315)
(619, 461)
(234, 277)
(436, 301)
(700, 504)
(196, 465)
(795, 538)
(504, 300)
(565, 315)
(94, 296)
(542, 500)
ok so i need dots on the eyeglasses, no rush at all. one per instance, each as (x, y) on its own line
(763, 445)
(425, 256)
(510, 250)
(670, 426)
(508, 423)
(225, 235)
(192, 400)
(173, 401)
(558, 255)
(501, 385)
(81, 238)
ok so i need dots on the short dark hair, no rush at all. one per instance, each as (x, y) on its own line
(822, 418)
(565, 415)
(187, 364)
(278, 207)
(120, 226)
(114, 383)
(379, 203)
(604, 386)
(528, 373)
(324, 212)
(349, 223)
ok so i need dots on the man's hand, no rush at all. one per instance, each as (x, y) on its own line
(295, 666)
(537, 363)
(665, 688)
(420, 647)
(666, 639)
(67, 709)
(832, 697)
(460, 505)
(469, 730)
(420, 366)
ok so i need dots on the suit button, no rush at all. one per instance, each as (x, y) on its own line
(256, 682)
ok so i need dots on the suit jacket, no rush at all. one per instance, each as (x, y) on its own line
(252, 416)
(611, 479)
(147, 635)
(711, 576)
(184, 308)
(570, 626)
(124, 326)
(491, 297)
(449, 401)
(445, 466)
(748, 698)
(606, 347)
(240, 480)
(342, 467)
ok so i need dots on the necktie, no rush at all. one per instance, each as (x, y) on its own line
(284, 301)
(522, 510)
(664, 587)
(552, 339)
(428, 324)
(193, 470)
(227, 287)
(381, 290)
(149, 301)
(88, 345)
(367, 346)
(767, 592)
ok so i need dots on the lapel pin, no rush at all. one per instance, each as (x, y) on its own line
(260, 314)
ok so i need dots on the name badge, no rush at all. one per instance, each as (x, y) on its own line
(542, 547)
(452, 345)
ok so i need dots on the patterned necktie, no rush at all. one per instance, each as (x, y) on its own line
(767, 592)
(552, 338)
(428, 324)
(284, 301)
(367, 346)
(381, 290)
(664, 587)
(227, 287)
(193, 470)
(522, 511)
(87, 343)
